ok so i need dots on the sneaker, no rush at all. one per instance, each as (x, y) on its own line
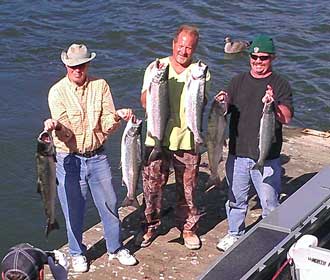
(79, 263)
(191, 240)
(226, 242)
(124, 257)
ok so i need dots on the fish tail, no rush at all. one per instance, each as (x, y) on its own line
(213, 181)
(51, 226)
(166, 211)
(155, 154)
(199, 139)
(197, 148)
(130, 202)
(260, 167)
(198, 144)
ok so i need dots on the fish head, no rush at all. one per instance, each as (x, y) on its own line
(45, 137)
(135, 129)
(45, 143)
(198, 70)
(223, 108)
(160, 74)
(269, 107)
(220, 108)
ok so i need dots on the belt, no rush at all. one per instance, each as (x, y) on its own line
(90, 153)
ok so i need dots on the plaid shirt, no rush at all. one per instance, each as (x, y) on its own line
(87, 114)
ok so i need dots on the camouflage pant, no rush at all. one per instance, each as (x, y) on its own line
(155, 177)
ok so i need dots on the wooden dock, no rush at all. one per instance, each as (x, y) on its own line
(304, 153)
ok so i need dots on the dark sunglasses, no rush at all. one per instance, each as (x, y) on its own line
(261, 57)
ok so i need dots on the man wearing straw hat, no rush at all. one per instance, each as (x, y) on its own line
(83, 117)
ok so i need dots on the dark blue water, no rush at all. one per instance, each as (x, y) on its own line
(127, 35)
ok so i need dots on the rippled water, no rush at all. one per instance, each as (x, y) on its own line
(127, 35)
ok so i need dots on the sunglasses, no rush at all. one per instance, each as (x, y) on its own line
(261, 57)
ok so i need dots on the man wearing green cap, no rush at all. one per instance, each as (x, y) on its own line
(247, 95)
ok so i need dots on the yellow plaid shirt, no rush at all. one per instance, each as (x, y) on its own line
(87, 114)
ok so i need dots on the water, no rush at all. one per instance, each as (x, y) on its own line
(127, 35)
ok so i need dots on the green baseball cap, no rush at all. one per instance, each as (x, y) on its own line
(263, 44)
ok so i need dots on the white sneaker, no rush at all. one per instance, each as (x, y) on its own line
(226, 242)
(79, 263)
(124, 257)
(61, 259)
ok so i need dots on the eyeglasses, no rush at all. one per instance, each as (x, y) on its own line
(261, 57)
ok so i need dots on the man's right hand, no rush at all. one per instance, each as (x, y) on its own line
(51, 124)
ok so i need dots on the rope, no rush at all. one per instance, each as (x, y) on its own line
(278, 272)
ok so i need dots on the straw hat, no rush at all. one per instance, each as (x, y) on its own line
(77, 54)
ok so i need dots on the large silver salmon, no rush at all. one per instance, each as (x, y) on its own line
(266, 135)
(194, 100)
(157, 107)
(46, 178)
(215, 139)
(131, 158)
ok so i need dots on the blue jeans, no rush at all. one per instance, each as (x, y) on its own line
(239, 175)
(76, 175)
